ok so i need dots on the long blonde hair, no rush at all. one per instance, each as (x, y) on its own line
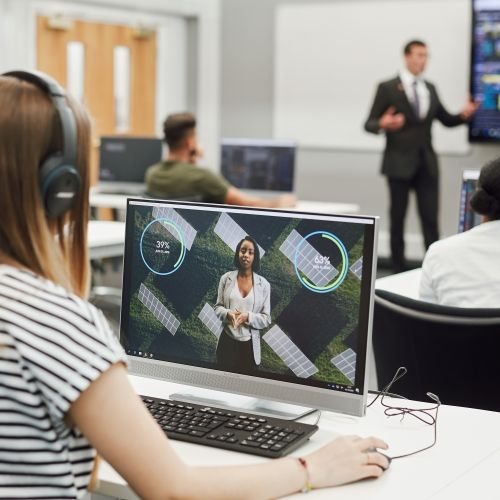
(30, 130)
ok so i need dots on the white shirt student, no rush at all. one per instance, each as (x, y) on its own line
(464, 269)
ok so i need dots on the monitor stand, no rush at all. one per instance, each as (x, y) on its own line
(237, 403)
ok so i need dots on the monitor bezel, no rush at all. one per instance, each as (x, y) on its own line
(350, 403)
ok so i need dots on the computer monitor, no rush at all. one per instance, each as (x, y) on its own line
(467, 217)
(123, 161)
(263, 166)
(320, 270)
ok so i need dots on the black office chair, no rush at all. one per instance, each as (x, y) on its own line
(450, 351)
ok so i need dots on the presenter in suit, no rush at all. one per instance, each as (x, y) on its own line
(404, 109)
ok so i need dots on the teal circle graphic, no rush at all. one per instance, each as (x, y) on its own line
(173, 228)
(339, 279)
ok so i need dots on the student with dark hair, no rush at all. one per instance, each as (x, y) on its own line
(244, 306)
(404, 109)
(178, 177)
(64, 391)
(464, 269)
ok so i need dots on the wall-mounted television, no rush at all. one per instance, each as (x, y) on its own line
(485, 70)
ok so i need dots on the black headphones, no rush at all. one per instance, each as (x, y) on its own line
(58, 176)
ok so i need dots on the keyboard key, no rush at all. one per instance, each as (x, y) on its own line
(197, 433)
(251, 444)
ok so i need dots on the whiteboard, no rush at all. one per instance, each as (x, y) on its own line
(329, 58)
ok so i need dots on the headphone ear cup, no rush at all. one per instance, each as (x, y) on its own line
(59, 186)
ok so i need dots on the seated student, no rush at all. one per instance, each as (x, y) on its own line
(64, 381)
(464, 269)
(179, 177)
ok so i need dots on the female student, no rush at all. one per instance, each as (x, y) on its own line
(244, 307)
(64, 391)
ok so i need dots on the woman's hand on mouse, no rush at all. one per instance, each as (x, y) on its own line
(346, 459)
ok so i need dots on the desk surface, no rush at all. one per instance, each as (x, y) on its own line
(106, 238)
(465, 458)
(119, 201)
(406, 283)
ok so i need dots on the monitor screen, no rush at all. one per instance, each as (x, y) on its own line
(306, 309)
(485, 70)
(264, 165)
(126, 159)
(467, 217)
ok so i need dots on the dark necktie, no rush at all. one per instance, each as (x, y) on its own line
(416, 102)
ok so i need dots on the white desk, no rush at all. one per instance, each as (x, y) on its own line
(325, 207)
(406, 283)
(119, 201)
(106, 238)
(466, 457)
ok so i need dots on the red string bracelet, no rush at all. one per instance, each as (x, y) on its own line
(308, 486)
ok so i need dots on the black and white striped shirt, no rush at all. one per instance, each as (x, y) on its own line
(52, 346)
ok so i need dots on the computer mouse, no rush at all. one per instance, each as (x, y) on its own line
(389, 459)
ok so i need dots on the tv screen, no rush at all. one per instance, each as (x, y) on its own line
(485, 70)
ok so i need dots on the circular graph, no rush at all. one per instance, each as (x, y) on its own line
(314, 268)
(162, 247)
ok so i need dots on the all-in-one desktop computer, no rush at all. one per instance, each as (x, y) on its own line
(123, 162)
(263, 167)
(313, 343)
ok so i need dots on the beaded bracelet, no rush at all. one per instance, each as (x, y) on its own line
(308, 486)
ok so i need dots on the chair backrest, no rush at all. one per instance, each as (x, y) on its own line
(452, 352)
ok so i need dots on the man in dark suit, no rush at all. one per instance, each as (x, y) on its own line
(404, 109)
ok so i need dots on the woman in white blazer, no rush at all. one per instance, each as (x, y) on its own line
(244, 307)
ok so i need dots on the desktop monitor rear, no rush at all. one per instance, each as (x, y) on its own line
(320, 270)
(467, 217)
(263, 166)
(123, 162)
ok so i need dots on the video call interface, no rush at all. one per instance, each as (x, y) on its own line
(260, 167)
(468, 218)
(175, 257)
(485, 71)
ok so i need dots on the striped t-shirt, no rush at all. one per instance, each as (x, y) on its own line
(52, 346)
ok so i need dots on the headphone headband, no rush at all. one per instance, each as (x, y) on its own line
(58, 177)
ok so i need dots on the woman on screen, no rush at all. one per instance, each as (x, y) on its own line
(463, 270)
(244, 307)
(63, 372)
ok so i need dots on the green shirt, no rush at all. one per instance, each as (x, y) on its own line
(174, 179)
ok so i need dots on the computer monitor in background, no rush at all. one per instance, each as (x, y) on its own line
(321, 271)
(123, 161)
(264, 166)
(467, 217)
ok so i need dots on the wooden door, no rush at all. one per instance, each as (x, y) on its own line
(99, 42)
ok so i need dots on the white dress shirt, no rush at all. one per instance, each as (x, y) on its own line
(243, 304)
(407, 79)
(464, 269)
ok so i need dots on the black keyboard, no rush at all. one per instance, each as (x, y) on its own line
(244, 432)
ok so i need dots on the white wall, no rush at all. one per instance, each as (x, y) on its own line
(247, 110)
(325, 104)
